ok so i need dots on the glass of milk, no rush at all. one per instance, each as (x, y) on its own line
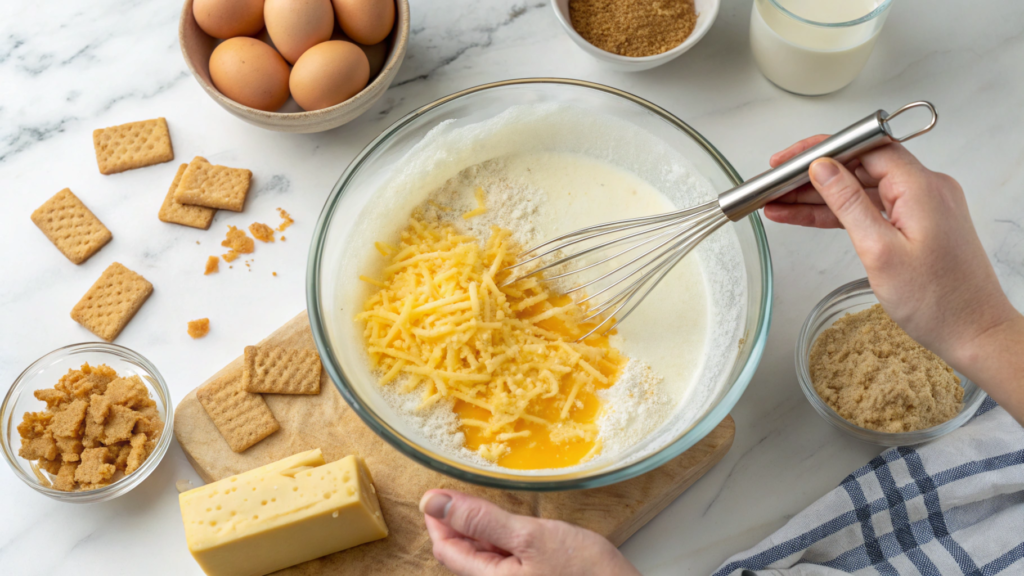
(814, 47)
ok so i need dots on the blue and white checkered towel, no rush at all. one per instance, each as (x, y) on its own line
(951, 506)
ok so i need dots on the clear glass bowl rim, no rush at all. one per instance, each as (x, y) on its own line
(122, 485)
(697, 432)
(803, 347)
(878, 11)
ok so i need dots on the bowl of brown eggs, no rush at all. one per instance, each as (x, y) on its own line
(294, 65)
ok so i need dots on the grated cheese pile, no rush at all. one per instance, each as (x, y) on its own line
(440, 323)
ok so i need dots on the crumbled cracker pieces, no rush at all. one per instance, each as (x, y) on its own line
(198, 328)
(112, 301)
(238, 243)
(132, 145)
(213, 186)
(261, 232)
(212, 266)
(72, 227)
(96, 428)
(286, 220)
(274, 370)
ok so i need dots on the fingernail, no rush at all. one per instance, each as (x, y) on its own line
(822, 171)
(436, 505)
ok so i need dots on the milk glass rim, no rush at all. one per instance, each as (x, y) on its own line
(878, 11)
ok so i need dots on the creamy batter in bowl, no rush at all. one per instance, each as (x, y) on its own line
(586, 153)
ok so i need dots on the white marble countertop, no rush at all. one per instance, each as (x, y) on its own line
(67, 68)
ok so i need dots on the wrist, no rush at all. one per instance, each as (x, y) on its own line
(986, 324)
(999, 337)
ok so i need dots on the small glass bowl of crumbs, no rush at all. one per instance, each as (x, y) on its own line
(919, 395)
(622, 36)
(51, 424)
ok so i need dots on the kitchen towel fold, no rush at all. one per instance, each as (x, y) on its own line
(952, 506)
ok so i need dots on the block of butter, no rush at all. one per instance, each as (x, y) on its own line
(296, 509)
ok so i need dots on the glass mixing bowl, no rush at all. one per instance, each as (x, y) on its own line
(355, 190)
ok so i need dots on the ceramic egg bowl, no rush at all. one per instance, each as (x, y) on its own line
(196, 47)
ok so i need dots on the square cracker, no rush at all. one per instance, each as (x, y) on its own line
(112, 301)
(72, 227)
(243, 418)
(132, 145)
(205, 184)
(274, 370)
(184, 214)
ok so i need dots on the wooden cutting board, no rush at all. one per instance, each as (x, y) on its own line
(326, 422)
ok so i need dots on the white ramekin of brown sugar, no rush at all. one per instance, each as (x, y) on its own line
(848, 299)
(706, 12)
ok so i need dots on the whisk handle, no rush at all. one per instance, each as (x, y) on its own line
(871, 132)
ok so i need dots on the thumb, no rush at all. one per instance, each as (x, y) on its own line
(477, 519)
(845, 196)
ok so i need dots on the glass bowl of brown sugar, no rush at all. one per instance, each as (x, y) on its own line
(638, 35)
(140, 409)
(853, 298)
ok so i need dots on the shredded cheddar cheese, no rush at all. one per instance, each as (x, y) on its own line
(441, 324)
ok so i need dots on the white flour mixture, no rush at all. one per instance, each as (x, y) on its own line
(547, 170)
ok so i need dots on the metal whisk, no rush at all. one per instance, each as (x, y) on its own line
(628, 258)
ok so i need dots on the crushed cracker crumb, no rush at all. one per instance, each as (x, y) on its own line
(261, 232)
(286, 220)
(198, 328)
(212, 265)
(238, 242)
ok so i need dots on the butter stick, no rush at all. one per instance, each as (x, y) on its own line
(285, 513)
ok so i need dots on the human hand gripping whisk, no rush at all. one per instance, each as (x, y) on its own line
(613, 267)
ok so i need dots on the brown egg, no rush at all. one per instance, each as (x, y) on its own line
(365, 21)
(250, 73)
(377, 55)
(328, 74)
(229, 18)
(297, 25)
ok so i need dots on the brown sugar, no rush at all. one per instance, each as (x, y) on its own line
(873, 374)
(199, 328)
(96, 427)
(633, 28)
(261, 232)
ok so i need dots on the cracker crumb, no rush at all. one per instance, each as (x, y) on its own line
(96, 467)
(261, 232)
(873, 374)
(199, 328)
(212, 265)
(238, 241)
(286, 221)
(87, 436)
